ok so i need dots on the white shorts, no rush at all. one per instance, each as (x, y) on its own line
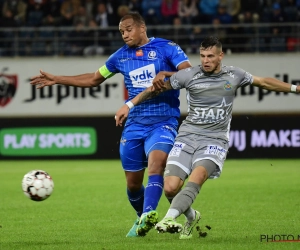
(188, 149)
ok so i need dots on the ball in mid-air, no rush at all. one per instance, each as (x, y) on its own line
(37, 185)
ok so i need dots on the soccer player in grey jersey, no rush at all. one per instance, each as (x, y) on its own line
(201, 145)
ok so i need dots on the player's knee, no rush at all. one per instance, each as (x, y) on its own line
(202, 177)
(157, 162)
(202, 170)
(134, 180)
(199, 176)
(170, 191)
(134, 186)
(171, 188)
(157, 167)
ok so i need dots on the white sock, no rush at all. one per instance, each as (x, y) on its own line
(172, 213)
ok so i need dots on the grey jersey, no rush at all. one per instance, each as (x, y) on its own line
(210, 98)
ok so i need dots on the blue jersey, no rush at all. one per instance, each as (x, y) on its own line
(140, 66)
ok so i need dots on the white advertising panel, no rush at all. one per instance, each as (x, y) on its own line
(18, 98)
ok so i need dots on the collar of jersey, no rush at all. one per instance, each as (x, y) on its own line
(150, 40)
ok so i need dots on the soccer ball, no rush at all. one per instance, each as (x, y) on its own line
(37, 185)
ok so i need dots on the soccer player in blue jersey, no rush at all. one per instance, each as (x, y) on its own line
(150, 129)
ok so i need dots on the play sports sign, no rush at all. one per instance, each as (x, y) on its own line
(43, 141)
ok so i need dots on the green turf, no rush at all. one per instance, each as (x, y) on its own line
(89, 209)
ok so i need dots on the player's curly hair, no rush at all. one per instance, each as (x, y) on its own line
(211, 41)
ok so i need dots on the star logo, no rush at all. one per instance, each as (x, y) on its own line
(212, 114)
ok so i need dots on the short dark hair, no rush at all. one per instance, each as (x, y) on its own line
(137, 18)
(211, 41)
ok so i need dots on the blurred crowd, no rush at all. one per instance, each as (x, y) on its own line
(104, 13)
(85, 15)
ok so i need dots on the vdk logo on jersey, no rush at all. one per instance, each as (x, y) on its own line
(143, 77)
(8, 86)
(152, 55)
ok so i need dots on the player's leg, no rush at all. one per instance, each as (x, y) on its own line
(153, 191)
(135, 194)
(175, 175)
(183, 200)
(135, 190)
(188, 194)
(157, 146)
(154, 188)
(172, 185)
(134, 163)
(201, 171)
(207, 163)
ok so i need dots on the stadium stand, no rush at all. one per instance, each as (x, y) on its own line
(90, 27)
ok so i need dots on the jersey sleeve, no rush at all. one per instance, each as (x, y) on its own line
(175, 54)
(245, 77)
(111, 64)
(180, 79)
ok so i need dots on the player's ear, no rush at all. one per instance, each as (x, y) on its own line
(221, 55)
(143, 28)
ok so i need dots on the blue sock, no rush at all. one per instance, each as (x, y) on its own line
(153, 192)
(136, 200)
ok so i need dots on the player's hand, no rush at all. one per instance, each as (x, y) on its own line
(42, 80)
(121, 115)
(158, 81)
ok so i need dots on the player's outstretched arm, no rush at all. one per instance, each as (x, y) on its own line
(274, 84)
(148, 93)
(84, 80)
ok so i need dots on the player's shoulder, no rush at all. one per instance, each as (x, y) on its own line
(191, 71)
(235, 72)
(161, 42)
(227, 68)
(119, 52)
(196, 68)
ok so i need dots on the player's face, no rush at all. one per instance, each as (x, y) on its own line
(132, 33)
(211, 59)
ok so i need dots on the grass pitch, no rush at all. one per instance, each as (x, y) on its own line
(89, 209)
